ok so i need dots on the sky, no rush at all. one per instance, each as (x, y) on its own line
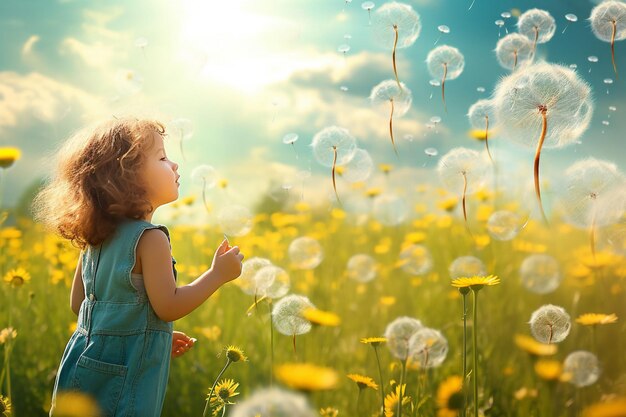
(246, 73)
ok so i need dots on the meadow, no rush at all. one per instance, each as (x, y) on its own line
(517, 376)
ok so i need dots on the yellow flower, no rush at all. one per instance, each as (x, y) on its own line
(17, 277)
(374, 341)
(599, 260)
(448, 204)
(8, 155)
(306, 376)
(478, 134)
(391, 400)
(75, 404)
(321, 318)
(475, 282)
(5, 406)
(591, 319)
(450, 397)
(372, 192)
(549, 370)
(388, 300)
(363, 381)
(188, 201)
(385, 168)
(235, 354)
(7, 334)
(329, 412)
(615, 407)
(530, 345)
(224, 391)
(222, 183)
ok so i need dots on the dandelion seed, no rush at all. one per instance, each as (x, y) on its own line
(466, 266)
(359, 168)
(361, 268)
(443, 29)
(396, 25)
(514, 49)
(274, 402)
(581, 368)
(183, 131)
(305, 253)
(428, 348)
(248, 280)
(415, 260)
(205, 175)
(235, 220)
(480, 115)
(446, 63)
(540, 274)
(390, 209)
(368, 5)
(333, 146)
(397, 98)
(504, 225)
(398, 333)
(550, 324)
(571, 18)
(537, 25)
(287, 316)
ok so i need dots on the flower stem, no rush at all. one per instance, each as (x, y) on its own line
(382, 385)
(271, 345)
(464, 355)
(400, 392)
(475, 351)
(208, 400)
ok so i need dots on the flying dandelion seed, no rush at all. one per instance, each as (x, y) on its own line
(573, 66)
(277, 278)
(390, 209)
(428, 348)
(368, 5)
(467, 266)
(480, 89)
(359, 168)
(500, 24)
(396, 25)
(582, 368)
(248, 280)
(206, 176)
(445, 63)
(514, 49)
(480, 115)
(235, 220)
(433, 83)
(393, 97)
(343, 48)
(141, 43)
(443, 30)
(398, 333)
(415, 260)
(333, 146)
(592, 59)
(287, 316)
(305, 253)
(543, 105)
(182, 130)
(504, 225)
(274, 402)
(431, 151)
(607, 82)
(361, 268)
(608, 23)
(128, 82)
(462, 171)
(571, 18)
(537, 25)
(550, 324)
(593, 195)
(290, 139)
(540, 273)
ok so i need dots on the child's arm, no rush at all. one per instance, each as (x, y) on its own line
(170, 302)
(78, 290)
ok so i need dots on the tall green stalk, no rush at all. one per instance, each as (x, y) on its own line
(382, 385)
(208, 400)
(475, 350)
(464, 292)
(400, 392)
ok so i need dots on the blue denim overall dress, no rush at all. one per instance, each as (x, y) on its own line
(120, 351)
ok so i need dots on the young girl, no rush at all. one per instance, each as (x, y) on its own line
(109, 181)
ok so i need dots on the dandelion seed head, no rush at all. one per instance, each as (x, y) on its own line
(359, 168)
(235, 220)
(403, 18)
(445, 56)
(537, 22)
(386, 91)
(273, 402)
(461, 166)
(550, 324)
(479, 112)
(514, 51)
(305, 253)
(248, 279)
(582, 368)
(277, 278)
(428, 348)
(503, 225)
(398, 333)
(604, 15)
(361, 268)
(204, 175)
(390, 209)
(415, 260)
(287, 315)
(332, 138)
(540, 273)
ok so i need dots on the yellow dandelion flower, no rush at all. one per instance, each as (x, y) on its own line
(75, 404)
(450, 397)
(329, 412)
(374, 341)
(306, 376)
(340, 170)
(7, 334)
(372, 192)
(363, 381)
(392, 399)
(476, 282)
(235, 354)
(5, 406)
(524, 392)
(448, 204)
(222, 183)
(385, 168)
(188, 201)
(599, 260)
(478, 134)
(17, 277)
(615, 407)
(8, 155)
(592, 319)
(321, 318)
(550, 370)
(388, 300)
(224, 391)
(531, 346)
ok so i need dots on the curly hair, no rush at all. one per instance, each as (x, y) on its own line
(97, 184)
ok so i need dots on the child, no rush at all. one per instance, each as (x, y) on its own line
(110, 180)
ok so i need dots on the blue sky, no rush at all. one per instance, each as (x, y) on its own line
(248, 72)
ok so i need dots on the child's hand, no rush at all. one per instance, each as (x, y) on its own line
(227, 262)
(181, 343)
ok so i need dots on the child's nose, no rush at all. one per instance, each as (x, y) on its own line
(175, 166)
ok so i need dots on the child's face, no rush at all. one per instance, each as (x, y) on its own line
(160, 174)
